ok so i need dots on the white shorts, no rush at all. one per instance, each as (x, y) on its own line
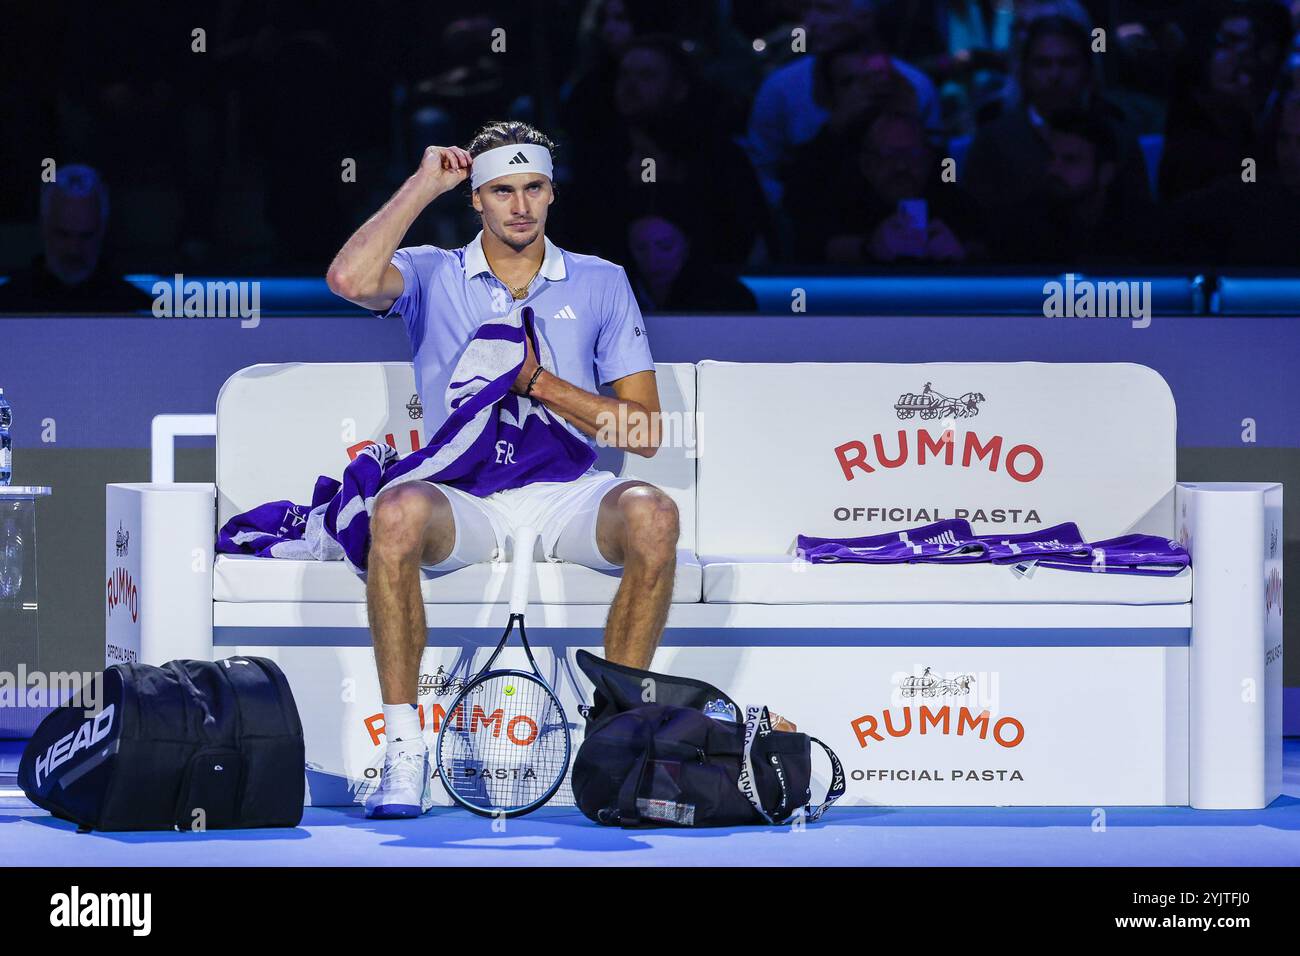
(563, 513)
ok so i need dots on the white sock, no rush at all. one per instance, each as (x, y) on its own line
(402, 725)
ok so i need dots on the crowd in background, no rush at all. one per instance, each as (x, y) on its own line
(815, 135)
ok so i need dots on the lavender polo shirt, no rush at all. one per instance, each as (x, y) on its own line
(584, 307)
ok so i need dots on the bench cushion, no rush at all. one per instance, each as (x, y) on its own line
(780, 580)
(243, 578)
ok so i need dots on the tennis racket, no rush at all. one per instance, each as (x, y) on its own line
(503, 748)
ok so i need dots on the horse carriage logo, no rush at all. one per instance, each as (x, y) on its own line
(123, 540)
(930, 404)
(414, 408)
(442, 684)
(928, 685)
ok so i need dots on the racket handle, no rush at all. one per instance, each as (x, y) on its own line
(525, 539)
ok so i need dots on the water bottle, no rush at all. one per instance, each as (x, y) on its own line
(6, 454)
(11, 552)
(11, 542)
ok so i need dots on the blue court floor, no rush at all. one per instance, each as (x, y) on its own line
(885, 836)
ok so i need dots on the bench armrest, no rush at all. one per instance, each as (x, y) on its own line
(1234, 533)
(158, 545)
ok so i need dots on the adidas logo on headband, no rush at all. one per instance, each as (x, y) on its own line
(505, 160)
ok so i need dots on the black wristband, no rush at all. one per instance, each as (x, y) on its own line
(533, 381)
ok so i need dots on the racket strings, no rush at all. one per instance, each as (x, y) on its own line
(506, 743)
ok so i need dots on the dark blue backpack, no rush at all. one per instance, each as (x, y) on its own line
(652, 756)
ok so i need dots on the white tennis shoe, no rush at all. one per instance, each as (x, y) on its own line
(404, 789)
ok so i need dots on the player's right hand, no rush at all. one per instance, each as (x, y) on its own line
(445, 167)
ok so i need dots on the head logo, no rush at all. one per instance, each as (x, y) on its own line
(66, 747)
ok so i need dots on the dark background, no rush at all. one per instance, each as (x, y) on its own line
(229, 161)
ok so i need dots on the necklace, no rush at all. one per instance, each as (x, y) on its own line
(522, 291)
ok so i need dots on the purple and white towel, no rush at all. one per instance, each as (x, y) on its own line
(947, 540)
(1061, 539)
(951, 542)
(1127, 554)
(493, 439)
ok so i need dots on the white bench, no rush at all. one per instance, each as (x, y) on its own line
(1083, 689)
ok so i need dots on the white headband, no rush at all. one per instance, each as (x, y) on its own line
(504, 160)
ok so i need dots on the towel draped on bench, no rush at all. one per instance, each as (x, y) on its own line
(492, 439)
(952, 541)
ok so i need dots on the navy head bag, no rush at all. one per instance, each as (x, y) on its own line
(191, 745)
(652, 756)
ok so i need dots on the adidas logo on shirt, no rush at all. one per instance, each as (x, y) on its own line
(565, 313)
(517, 158)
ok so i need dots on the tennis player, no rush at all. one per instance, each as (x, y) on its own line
(588, 316)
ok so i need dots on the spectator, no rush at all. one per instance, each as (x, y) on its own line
(873, 213)
(1138, 65)
(69, 276)
(854, 86)
(608, 26)
(587, 99)
(666, 277)
(1236, 223)
(786, 114)
(963, 45)
(1008, 159)
(1275, 38)
(851, 84)
(951, 37)
(1221, 86)
(661, 116)
(1080, 215)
